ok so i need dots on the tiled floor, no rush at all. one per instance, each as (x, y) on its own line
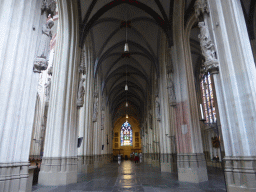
(136, 177)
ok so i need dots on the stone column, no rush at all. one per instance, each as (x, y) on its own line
(169, 159)
(236, 92)
(59, 165)
(190, 157)
(18, 89)
(85, 123)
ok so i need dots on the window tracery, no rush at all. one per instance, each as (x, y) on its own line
(126, 134)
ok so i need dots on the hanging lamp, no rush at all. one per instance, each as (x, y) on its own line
(126, 46)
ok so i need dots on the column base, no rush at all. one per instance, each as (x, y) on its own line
(97, 161)
(168, 162)
(240, 173)
(14, 176)
(155, 163)
(88, 168)
(192, 168)
(58, 171)
(85, 164)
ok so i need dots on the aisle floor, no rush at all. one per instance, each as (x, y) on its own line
(136, 177)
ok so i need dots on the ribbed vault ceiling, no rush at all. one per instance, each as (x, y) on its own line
(102, 19)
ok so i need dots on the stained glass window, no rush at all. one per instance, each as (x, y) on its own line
(126, 134)
(208, 98)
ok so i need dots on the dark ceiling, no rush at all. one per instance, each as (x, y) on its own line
(105, 21)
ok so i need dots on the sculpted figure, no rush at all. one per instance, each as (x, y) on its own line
(171, 90)
(80, 94)
(102, 118)
(95, 109)
(208, 49)
(41, 62)
(157, 103)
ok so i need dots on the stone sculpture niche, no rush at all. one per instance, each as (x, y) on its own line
(41, 61)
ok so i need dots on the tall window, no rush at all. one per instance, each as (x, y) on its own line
(126, 134)
(208, 98)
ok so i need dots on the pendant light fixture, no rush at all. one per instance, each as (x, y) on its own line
(126, 86)
(126, 46)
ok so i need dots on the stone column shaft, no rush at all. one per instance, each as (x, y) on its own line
(17, 89)
(236, 92)
(59, 165)
(190, 157)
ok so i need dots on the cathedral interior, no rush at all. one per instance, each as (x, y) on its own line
(89, 86)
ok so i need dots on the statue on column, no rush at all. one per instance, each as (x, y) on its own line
(95, 108)
(47, 91)
(41, 61)
(171, 89)
(102, 117)
(80, 94)
(208, 48)
(157, 108)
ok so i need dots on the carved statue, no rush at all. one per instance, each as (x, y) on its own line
(157, 109)
(41, 62)
(95, 108)
(80, 94)
(48, 90)
(201, 6)
(102, 117)
(171, 89)
(208, 48)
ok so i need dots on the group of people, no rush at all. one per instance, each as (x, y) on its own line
(136, 157)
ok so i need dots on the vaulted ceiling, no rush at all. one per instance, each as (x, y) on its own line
(105, 21)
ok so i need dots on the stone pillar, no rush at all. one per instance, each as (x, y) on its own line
(169, 158)
(236, 93)
(59, 165)
(190, 157)
(18, 89)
